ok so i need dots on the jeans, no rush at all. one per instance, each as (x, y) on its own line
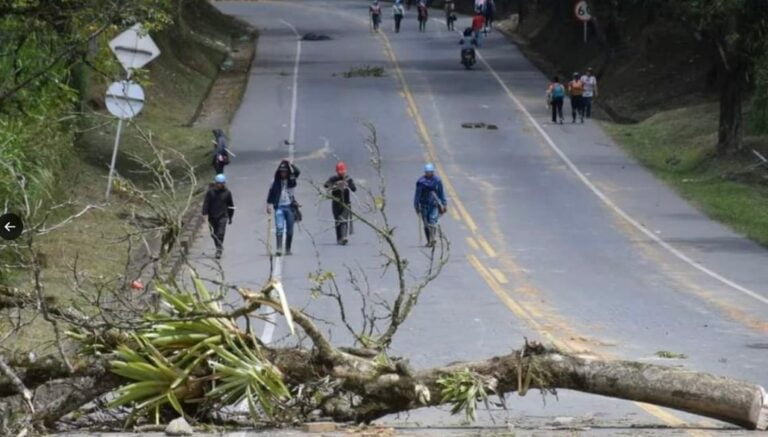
(587, 106)
(284, 220)
(218, 227)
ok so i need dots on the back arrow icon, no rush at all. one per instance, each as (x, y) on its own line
(9, 226)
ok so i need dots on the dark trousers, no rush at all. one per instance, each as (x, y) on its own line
(343, 220)
(587, 106)
(422, 24)
(398, 19)
(577, 107)
(557, 109)
(218, 228)
(218, 167)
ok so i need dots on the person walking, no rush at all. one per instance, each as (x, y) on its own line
(219, 207)
(375, 12)
(282, 202)
(423, 16)
(489, 11)
(340, 187)
(220, 151)
(398, 13)
(429, 202)
(555, 97)
(576, 91)
(450, 14)
(478, 24)
(590, 91)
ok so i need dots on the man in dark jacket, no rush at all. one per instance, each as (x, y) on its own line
(219, 207)
(282, 202)
(430, 202)
(339, 187)
(220, 151)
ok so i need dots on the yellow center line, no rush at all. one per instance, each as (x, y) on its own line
(472, 243)
(485, 273)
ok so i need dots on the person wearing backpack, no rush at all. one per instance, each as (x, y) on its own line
(397, 13)
(576, 91)
(220, 151)
(555, 97)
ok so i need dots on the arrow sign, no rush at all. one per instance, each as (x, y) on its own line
(134, 48)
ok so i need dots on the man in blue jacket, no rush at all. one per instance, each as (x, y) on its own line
(429, 202)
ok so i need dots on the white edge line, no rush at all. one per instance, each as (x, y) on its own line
(269, 326)
(610, 203)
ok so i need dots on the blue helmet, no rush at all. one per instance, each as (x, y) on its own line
(429, 168)
(220, 179)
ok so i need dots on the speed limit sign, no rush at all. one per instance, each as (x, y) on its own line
(582, 12)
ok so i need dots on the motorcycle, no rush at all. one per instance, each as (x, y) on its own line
(468, 57)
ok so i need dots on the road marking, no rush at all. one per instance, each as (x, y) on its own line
(487, 248)
(499, 275)
(277, 266)
(472, 243)
(608, 202)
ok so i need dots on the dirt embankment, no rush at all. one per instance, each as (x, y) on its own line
(645, 60)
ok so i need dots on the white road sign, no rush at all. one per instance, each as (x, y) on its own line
(125, 99)
(582, 11)
(134, 48)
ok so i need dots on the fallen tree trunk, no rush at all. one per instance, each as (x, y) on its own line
(733, 401)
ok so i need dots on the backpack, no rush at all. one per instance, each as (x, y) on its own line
(558, 91)
(223, 158)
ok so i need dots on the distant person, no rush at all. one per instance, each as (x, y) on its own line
(555, 97)
(340, 187)
(590, 91)
(576, 91)
(219, 207)
(282, 202)
(220, 151)
(408, 4)
(430, 202)
(423, 16)
(375, 11)
(489, 11)
(478, 24)
(398, 12)
(450, 14)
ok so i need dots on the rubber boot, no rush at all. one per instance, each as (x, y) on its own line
(288, 241)
(338, 233)
(428, 235)
(279, 247)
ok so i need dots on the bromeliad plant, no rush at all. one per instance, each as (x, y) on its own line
(195, 355)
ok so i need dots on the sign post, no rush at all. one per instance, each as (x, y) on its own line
(583, 14)
(134, 49)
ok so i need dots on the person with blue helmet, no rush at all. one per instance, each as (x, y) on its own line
(430, 202)
(219, 207)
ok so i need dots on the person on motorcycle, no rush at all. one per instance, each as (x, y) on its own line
(375, 11)
(468, 42)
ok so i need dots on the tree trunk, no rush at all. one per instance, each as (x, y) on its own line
(732, 75)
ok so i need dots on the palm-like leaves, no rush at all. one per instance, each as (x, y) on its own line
(194, 356)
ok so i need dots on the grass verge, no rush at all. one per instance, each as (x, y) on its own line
(678, 146)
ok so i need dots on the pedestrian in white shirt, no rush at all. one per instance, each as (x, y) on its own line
(590, 91)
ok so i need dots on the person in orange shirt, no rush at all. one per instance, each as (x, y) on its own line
(576, 91)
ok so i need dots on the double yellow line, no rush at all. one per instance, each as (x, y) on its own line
(491, 277)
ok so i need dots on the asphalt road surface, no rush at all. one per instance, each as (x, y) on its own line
(556, 234)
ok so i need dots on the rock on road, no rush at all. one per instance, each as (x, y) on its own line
(557, 235)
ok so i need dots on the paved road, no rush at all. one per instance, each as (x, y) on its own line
(556, 234)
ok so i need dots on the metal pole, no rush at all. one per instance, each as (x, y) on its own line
(114, 157)
(585, 32)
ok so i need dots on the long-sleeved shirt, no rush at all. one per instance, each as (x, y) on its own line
(218, 203)
(429, 192)
(397, 9)
(340, 188)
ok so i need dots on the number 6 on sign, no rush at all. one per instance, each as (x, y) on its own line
(583, 14)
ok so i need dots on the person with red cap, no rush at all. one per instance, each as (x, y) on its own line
(340, 186)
